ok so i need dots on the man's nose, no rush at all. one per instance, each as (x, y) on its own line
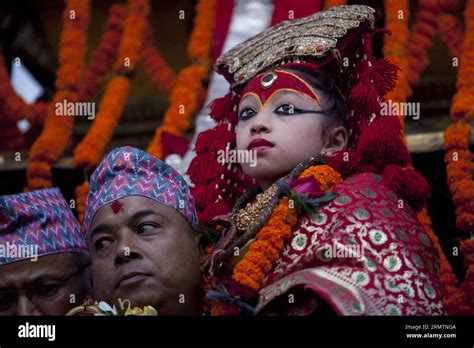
(25, 306)
(127, 248)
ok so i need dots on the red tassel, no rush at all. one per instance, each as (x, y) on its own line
(213, 210)
(380, 145)
(409, 184)
(384, 75)
(214, 139)
(221, 108)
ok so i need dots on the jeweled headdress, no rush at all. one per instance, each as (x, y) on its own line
(336, 42)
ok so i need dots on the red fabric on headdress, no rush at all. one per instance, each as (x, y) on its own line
(283, 80)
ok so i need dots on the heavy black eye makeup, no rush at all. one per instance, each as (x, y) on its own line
(246, 113)
(284, 109)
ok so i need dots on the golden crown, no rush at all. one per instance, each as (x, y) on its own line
(292, 40)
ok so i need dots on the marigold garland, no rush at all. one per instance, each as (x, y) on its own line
(397, 14)
(185, 96)
(57, 129)
(459, 161)
(331, 3)
(132, 39)
(270, 240)
(467, 249)
(105, 53)
(421, 39)
(451, 32)
(156, 67)
(90, 150)
(458, 158)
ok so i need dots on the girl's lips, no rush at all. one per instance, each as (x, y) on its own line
(260, 144)
(260, 149)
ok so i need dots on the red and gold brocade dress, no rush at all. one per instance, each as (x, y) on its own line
(365, 254)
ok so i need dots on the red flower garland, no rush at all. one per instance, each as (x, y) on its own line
(105, 53)
(186, 93)
(57, 129)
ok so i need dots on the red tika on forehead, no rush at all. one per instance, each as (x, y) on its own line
(265, 85)
(116, 206)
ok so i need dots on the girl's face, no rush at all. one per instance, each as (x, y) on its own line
(279, 131)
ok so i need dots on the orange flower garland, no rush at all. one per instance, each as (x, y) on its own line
(467, 249)
(200, 41)
(332, 3)
(105, 53)
(325, 175)
(451, 32)
(270, 240)
(185, 96)
(265, 250)
(57, 129)
(156, 67)
(421, 39)
(459, 159)
(90, 151)
(397, 14)
(132, 39)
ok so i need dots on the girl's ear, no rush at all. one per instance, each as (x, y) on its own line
(337, 139)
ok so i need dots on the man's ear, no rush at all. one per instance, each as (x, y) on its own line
(337, 139)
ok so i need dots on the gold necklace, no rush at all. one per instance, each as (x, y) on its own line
(244, 218)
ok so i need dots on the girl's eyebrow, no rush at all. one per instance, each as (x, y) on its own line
(248, 97)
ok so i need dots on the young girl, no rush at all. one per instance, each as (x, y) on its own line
(324, 223)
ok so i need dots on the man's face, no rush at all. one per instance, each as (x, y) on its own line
(145, 252)
(52, 285)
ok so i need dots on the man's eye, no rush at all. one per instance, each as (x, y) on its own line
(286, 109)
(246, 113)
(48, 289)
(146, 228)
(102, 243)
(6, 297)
